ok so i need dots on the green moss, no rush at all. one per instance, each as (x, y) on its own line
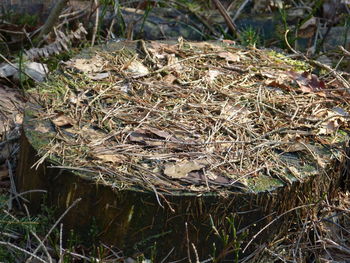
(298, 65)
(264, 183)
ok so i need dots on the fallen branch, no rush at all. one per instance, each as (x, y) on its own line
(51, 20)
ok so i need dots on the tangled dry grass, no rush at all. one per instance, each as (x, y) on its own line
(320, 236)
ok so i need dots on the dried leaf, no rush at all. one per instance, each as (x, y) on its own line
(11, 105)
(100, 76)
(149, 136)
(7, 70)
(231, 57)
(136, 68)
(228, 41)
(62, 42)
(310, 83)
(112, 158)
(334, 119)
(240, 113)
(295, 147)
(62, 120)
(340, 111)
(206, 46)
(36, 71)
(42, 128)
(181, 169)
(172, 62)
(211, 75)
(92, 65)
(169, 79)
(295, 172)
(160, 49)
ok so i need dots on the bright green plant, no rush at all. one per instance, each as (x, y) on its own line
(250, 37)
(229, 240)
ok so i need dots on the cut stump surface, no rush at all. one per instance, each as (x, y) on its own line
(167, 142)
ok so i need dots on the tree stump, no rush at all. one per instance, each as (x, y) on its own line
(173, 145)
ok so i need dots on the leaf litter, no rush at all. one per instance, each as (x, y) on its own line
(191, 116)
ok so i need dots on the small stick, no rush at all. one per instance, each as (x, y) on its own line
(13, 185)
(227, 18)
(188, 244)
(195, 252)
(346, 52)
(51, 229)
(273, 221)
(96, 23)
(51, 20)
(8, 244)
(239, 10)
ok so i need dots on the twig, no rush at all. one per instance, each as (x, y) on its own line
(195, 252)
(61, 247)
(32, 255)
(94, 32)
(336, 245)
(346, 52)
(51, 20)
(33, 233)
(115, 13)
(273, 221)
(227, 17)
(53, 227)
(239, 10)
(188, 244)
(13, 185)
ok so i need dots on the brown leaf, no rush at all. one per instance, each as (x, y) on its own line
(308, 83)
(146, 135)
(199, 177)
(182, 169)
(42, 128)
(173, 64)
(11, 104)
(207, 46)
(112, 158)
(160, 133)
(228, 41)
(136, 68)
(92, 65)
(62, 120)
(161, 48)
(231, 57)
(169, 79)
(211, 75)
